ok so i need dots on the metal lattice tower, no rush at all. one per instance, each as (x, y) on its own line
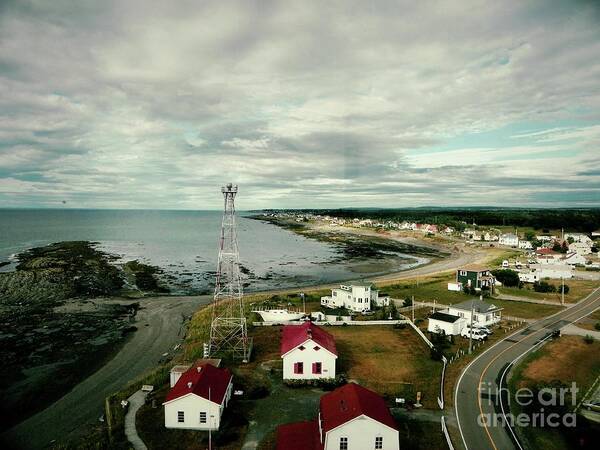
(228, 330)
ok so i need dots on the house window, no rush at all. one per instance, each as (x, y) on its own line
(202, 417)
(302, 347)
(343, 443)
(463, 273)
(180, 416)
(316, 348)
(298, 368)
(378, 443)
(316, 368)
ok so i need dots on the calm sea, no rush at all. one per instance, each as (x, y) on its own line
(182, 243)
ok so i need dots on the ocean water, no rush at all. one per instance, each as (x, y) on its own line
(183, 243)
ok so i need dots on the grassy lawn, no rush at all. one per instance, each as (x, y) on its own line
(567, 359)
(392, 362)
(578, 289)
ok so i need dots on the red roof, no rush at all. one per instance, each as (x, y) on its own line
(545, 251)
(351, 401)
(202, 377)
(299, 436)
(295, 335)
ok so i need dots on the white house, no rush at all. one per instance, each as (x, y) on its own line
(447, 324)
(350, 418)
(575, 259)
(509, 239)
(581, 248)
(198, 398)
(483, 313)
(580, 237)
(356, 297)
(525, 245)
(308, 352)
(538, 272)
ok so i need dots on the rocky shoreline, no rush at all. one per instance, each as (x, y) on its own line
(57, 322)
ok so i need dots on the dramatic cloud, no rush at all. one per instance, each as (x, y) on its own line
(304, 104)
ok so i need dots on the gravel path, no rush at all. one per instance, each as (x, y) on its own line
(135, 402)
(159, 323)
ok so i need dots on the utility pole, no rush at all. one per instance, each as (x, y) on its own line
(209, 425)
(303, 302)
(562, 297)
(471, 327)
(413, 308)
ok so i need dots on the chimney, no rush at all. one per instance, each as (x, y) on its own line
(189, 384)
(198, 369)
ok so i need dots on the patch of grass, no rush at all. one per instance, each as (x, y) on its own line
(578, 289)
(394, 363)
(418, 435)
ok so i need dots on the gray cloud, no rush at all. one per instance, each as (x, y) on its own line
(138, 104)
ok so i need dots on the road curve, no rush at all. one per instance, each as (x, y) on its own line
(475, 392)
(159, 322)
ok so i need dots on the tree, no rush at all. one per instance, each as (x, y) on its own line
(529, 235)
(544, 286)
(507, 277)
(570, 239)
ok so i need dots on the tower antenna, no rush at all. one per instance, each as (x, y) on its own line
(228, 329)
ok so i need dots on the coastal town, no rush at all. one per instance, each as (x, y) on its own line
(278, 225)
(473, 306)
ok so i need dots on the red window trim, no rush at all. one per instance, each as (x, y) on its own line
(314, 368)
(298, 368)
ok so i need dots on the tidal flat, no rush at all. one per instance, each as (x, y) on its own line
(58, 323)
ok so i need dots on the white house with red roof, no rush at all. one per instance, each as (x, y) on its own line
(198, 398)
(350, 418)
(308, 352)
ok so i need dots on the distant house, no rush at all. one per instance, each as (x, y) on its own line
(574, 259)
(198, 398)
(308, 352)
(538, 272)
(546, 255)
(596, 234)
(581, 247)
(483, 313)
(477, 277)
(355, 297)
(350, 418)
(443, 323)
(509, 239)
(525, 245)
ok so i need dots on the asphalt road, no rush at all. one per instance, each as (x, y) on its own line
(159, 323)
(476, 390)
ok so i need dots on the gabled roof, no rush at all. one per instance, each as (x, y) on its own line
(299, 436)
(295, 335)
(199, 380)
(478, 305)
(545, 251)
(443, 317)
(474, 268)
(351, 401)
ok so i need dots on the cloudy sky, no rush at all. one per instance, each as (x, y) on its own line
(303, 104)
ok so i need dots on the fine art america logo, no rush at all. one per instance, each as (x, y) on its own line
(548, 406)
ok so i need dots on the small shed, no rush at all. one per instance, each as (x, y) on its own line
(447, 324)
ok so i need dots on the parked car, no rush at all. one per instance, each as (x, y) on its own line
(477, 335)
(592, 406)
(482, 328)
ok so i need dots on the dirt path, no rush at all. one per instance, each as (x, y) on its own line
(159, 323)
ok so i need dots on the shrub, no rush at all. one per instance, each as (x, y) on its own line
(588, 339)
(544, 286)
(507, 277)
(597, 326)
